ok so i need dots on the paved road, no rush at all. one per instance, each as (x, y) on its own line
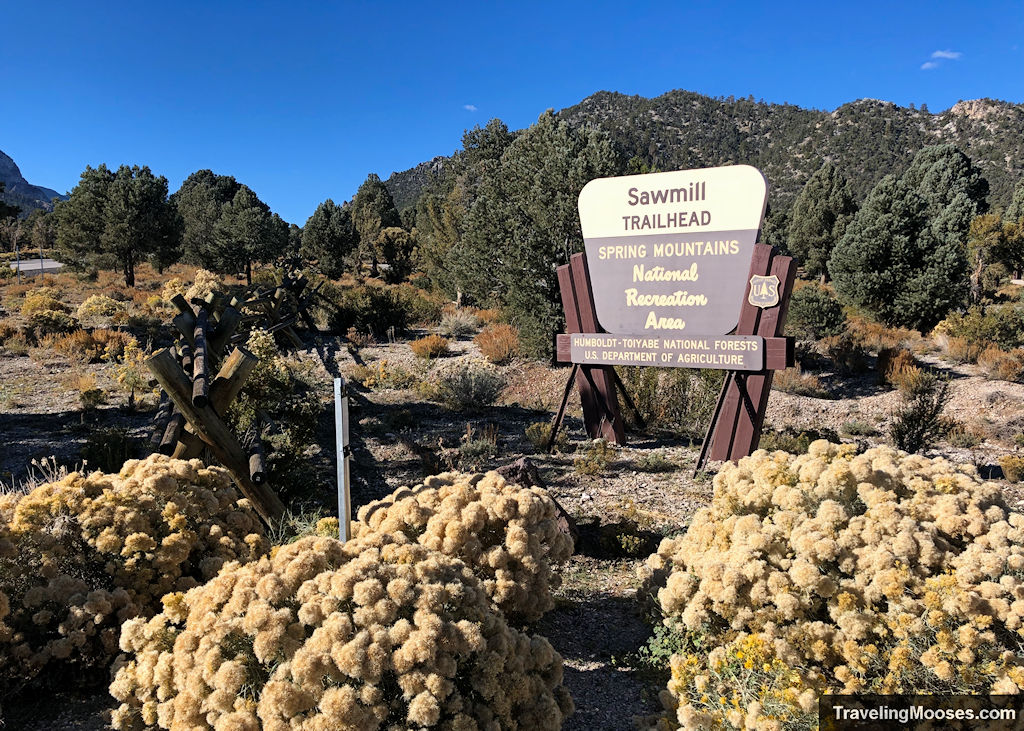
(30, 267)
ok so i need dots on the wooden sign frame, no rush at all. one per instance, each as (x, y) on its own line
(735, 428)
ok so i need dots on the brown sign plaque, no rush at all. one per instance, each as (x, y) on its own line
(668, 253)
(735, 353)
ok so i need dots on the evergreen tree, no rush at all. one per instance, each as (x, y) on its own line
(1015, 211)
(396, 247)
(373, 210)
(441, 212)
(903, 256)
(818, 218)
(329, 237)
(524, 222)
(118, 219)
(247, 232)
(200, 201)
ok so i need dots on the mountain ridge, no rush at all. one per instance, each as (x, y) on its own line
(19, 192)
(865, 138)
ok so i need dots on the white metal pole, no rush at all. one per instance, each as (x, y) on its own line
(341, 432)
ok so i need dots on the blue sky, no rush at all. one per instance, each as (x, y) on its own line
(301, 100)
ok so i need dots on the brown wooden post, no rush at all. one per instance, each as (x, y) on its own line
(596, 384)
(737, 430)
(200, 362)
(212, 429)
(748, 428)
(223, 391)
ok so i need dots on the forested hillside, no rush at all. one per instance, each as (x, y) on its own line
(864, 139)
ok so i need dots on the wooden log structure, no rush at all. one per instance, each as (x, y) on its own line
(596, 384)
(160, 419)
(208, 424)
(172, 433)
(257, 462)
(224, 389)
(200, 362)
(744, 396)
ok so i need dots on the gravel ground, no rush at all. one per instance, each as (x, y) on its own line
(399, 437)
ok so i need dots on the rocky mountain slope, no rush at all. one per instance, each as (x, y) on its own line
(19, 192)
(866, 138)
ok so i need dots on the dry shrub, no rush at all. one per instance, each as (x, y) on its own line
(876, 337)
(431, 346)
(370, 634)
(99, 307)
(43, 299)
(1012, 466)
(909, 379)
(203, 284)
(792, 380)
(835, 572)
(892, 360)
(1000, 365)
(383, 375)
(458, 322)
(172, 287)
(846, 352)
(467, 383)
(91, 347)
(488, 316)
(86, 553)
(7, 330)
(962, 350)
(498, 343)
(508, 535)
(51, 322)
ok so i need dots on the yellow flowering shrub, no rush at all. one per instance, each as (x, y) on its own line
(202, 285)
(370, 634)
(42, 299)
(508, 535)
(81, 555)
(172, 287)
(835, 572)
(98, 307)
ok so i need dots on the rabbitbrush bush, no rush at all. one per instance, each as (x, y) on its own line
(375, 633)
(81, 555)
(508, 535)
(842, 573)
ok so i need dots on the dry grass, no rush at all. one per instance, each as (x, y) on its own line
(876, 337)
(793, 380)
(910, 379)
(891, 361)
(431, 346)
(1002, 365)
(961, 350)
(498, 343)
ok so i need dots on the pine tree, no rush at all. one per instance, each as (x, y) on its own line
(396, 247)
(373, 210)
(329, 236)
(524, 223)
(818, 218)
(118, 219)
(200, 201)
(903, 256)
(247, 232)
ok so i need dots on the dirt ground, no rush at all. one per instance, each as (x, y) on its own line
(398, 437)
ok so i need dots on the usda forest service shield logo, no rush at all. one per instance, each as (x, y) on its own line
(764, 291)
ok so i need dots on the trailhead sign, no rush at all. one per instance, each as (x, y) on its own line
(668, 256)
(673, 276)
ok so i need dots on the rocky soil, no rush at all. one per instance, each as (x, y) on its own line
(399, 437)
